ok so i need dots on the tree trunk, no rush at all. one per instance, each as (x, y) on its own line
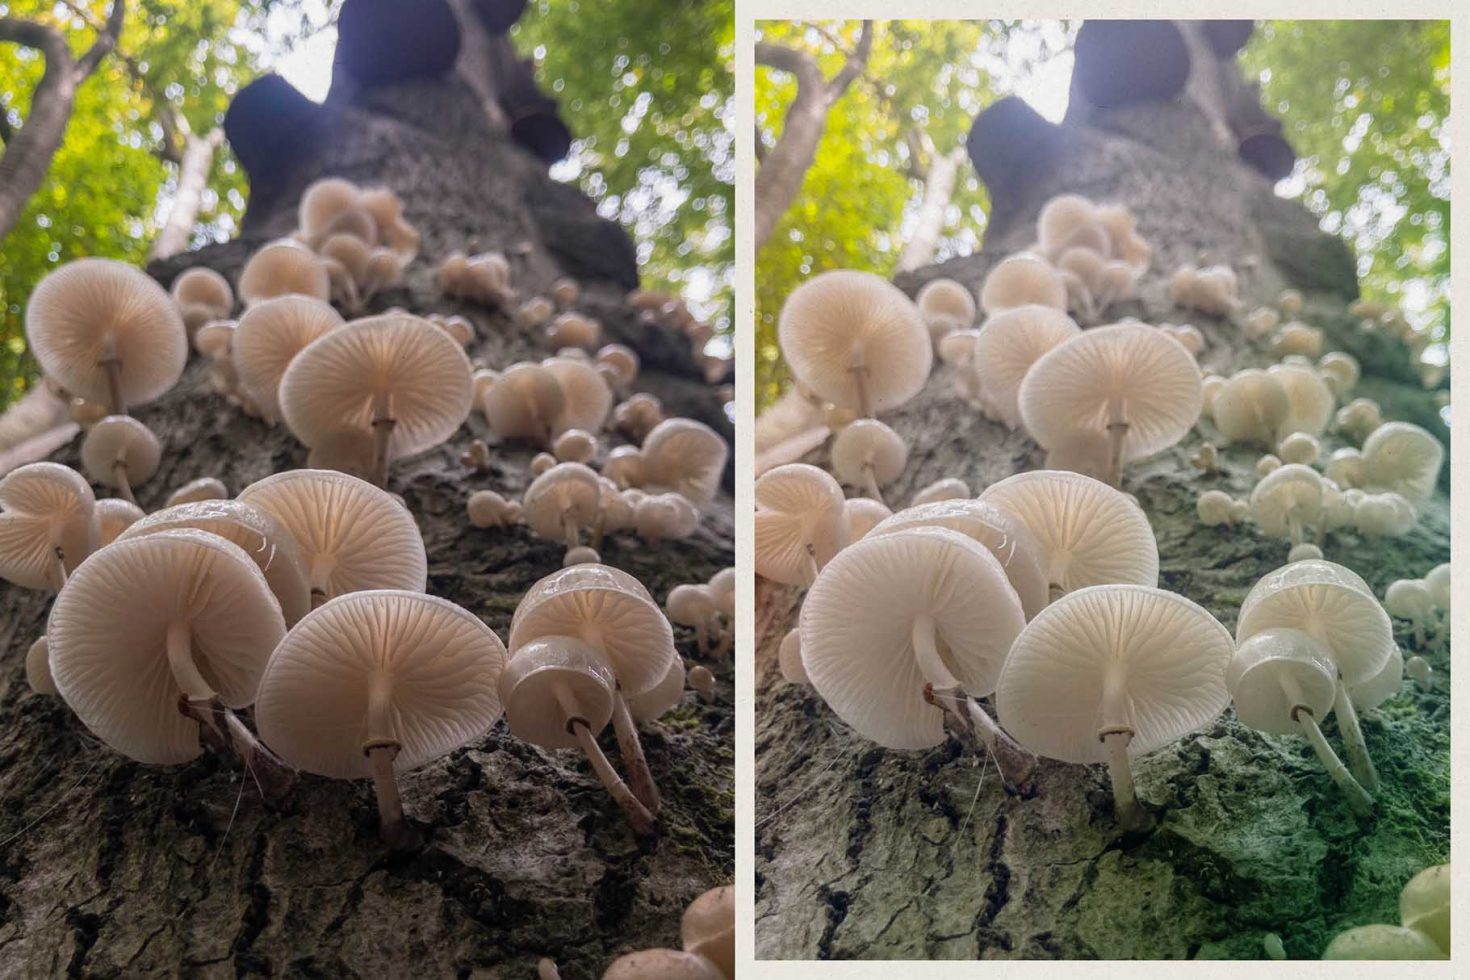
(867, 853)
(195, 164)
(112, 868)
(939, 178)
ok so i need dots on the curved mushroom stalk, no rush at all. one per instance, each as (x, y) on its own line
(1115, 733)
(870, 481)
(111, 363)
(381, 749)
(638, 815)
(1357, 797)
(630, 747)
(120, 478)
(1356, 747)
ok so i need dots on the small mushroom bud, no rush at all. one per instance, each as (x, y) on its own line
(702, 681)
(565, 292)
(789, 659)
(1299, 447)
(1410, 599)
(38, 669)
(1215, 507)
(1297, 338)
(693, 606)
(1358, 418)
(1306, 551)
(476, 456)
(119, 452)
(1207, 459)
(486, 508)
(575, 446)
(534, 312)
(662, 964)
(1341, 372)
(1417, 669)
(201, 295)
(1261, 322)
(573, 330)
(1289, 302)
(1267, 464)
(542, 462)
(1381, 942)
(581, 555)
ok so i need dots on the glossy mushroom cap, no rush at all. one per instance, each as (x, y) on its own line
(382, 666)
(1285, 499)
(799, 519)
(1403, 458)
(281, 268)
(486, 508)
(120, 439)
(351, 536)
(269, 335)
(550, 682)
(395, 363)
(662, 697)
(1087, 532)
(868, 446)
(1158, 657)
(567, 491)
(109, 629)
(204, 488)
(840, 321)
(1128, 372)
(1251, 407)
(44, 507)
(523, 403)
(664, 515)
(708, 928)
(1330, 603)
(85, 311)
(859, 620)
(201, 295)
(113, 516)
(607, 609)
(1008, 344)
(38, 669)
(324, 201)
(1268, 666)
(1424, 905)
(1023, 279)
(686, 457)
(862, 514)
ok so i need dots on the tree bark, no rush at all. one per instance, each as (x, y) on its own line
(195, 163)
(28, 153)
(111, 868)
(939, 171)
(780, 175)
(867, 853)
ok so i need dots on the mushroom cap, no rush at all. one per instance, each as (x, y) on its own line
(269, 335)
(862, 515)
(708, 928)
(486, 508)
(621, 359)
(868, 444)
(215, 339)
(1308, 398)
(665, 515)
(439, 663)
(351, 536)
(524, 402)
(1005, 536)
(1087, 532)
(334, 382)
(1437, 580)
(44, 506)
(607, 609)
(325, 200)
(1023, 279)
(202, 287)
(1061, 217)
(684, 456)
(575, 446)
(662, 964)
(204, 488)
(1168, 654)
(1250, 407)
(1152, 380)
(125, 439)
(1008, 344)
(1289, 491)
(957, 347)
(1299, 447)
(38, 669)
(1404, 458)
(1369, 694)
(944, 488)
(81, 308)
(543, 678)
(1345, 467)
(841, 320)
(1424, 905)
(1340, 370)
(586, 398)
(281, 268)
(1381, 942)
(108, 630)
(1263, 669)
(944, 300)
(857, 629)
(789, 659)
(565, 489)
(690, 605)
(657, 700)
(255, 532)
(797, 507)
(1408, 599)
(1330, 603)
(113, 516)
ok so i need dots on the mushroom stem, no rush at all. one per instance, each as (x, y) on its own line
(859, 373)
(1015, 763)
(1357, 797)
(397, 832)
(1117, 432)
(222, 728)
(120, 478)
(811, 557)
(599, 526)
(60, 568)
(870, 484)
(1295, 524)
(1359, 761)
(1130, 815)
(701, 639)
(1322, 530)
(382, 433)
(636, 813)
(926, 652)
(726, 638)
(569, 528)
(181, 662)
(111, 364)
(317, 597)
(631, 749)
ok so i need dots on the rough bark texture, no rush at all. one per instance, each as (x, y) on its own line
(868, 853)
(108, 868)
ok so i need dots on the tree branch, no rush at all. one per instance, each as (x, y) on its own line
(106, 39)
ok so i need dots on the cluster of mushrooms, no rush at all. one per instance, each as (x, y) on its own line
(301, 602)
(1423, 932)
(1042, 591)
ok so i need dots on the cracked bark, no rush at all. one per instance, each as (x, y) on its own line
(867, 853)
(109, 868)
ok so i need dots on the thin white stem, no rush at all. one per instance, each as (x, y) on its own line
(1353, 743)
(630, 747)
(1357, 797)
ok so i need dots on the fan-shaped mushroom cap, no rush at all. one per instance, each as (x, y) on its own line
(89, 311)
(664, 515)
(859, 619)
(946, 303)
(1215, 507)
(839, 322)
(1340, 370)
(45, 508)
(282, 268)
(1345, 467)
(1359, 417)
(1125, 372)
(1251, 407)
(863, 514)
(120, 440)
(550, 682)
(1061, 219)
(523, 403)
(799, 522)
(945, 488)
(201, 295)
(351, 536)
(624, 466)
(868, 446)
(1424, 905)
(1298, 338)
(662, 964)
(1330, 603)
(1157, 656)
(1002, 534)
(215, 340)
(113, 516)
(1403, 458)
(686, 457)
(573, 330)
(1008, 344)
(1437, 580)
(1388, 514)
(1381, 942)
(110, 628)
(255, 532)
(269, 335)
(566, 492)
(607, 609)
(1369, 694)
(1087, 532)
(1023, 279)
(1267, 666)
(1285, 499)
(708, 928)
(1309, 400)
(1409, 599)
(1299, 447)
(394, 366)
(586, 398)
(383, 666)
(324, 201)
(38, 669)
(663, 696)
